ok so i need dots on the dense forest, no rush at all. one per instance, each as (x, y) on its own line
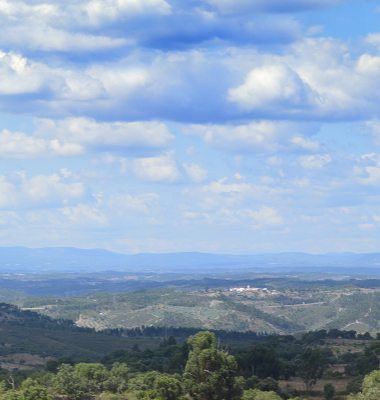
(164, 363)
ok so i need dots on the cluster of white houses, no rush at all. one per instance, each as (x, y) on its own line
(247, 289)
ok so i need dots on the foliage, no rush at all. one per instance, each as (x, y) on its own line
(371, 388)
(167, 388)
(69, 382)
(261, 361)
(209, 372)
(265, 385)
(355, 385)
(363, 364)
(31, 390)
(312, 366)
(328, 391)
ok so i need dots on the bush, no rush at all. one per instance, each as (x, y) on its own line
(328, 391)
(355, 385)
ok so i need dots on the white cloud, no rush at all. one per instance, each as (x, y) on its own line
(93, 12)
(195, 172)
(126, 202)
(373, 128)
(309, 81)
(99, 12)
(49, 39)
(75, 136)
(191, 215)
(18, 75)
(314, 162)
(365, 226)
(275, 85)
(257, 136)
(84, 214)
(274, 160)
(305, 144)
(372, 178)
(266, 216)
(21, 146)
(89, 133)
(220, 187)
(120, 81)
(41, 190)
(157, 169)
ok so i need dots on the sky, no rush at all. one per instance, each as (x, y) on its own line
(219, 126)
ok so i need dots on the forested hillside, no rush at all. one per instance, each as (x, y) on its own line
(278, 309)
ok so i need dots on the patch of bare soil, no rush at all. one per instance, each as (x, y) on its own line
(22, 361)
(317, 390)
(90, 323)
(337, 368)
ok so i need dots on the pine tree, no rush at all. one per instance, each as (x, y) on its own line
(209, 372)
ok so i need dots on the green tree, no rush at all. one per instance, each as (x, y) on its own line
(209, 372)
(328, 391)
(118, 379)
(312, 366)
(95, 374)
(355, 385)
(370, 388)
(69, 382)
(171, 340)
(143, 382)
(167, 388)
(256, 394)
(12, 395)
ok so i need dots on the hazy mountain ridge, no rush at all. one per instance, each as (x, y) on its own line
(71, 259)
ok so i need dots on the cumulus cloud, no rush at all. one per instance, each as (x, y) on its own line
(195, 172)
(314, 162)
(41, 190)
(157, 169)
(82, 12)
(68, 23)
(257, 136)
(84, 214)
(274, 85)
(307, 82)
(75, 136)
(125, 202)
(373, 128)
(49, 39)
(99, 12)
(222, 186)
(266, 216)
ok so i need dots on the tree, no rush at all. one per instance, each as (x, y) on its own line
(69, 382)
(328, 391)
(312, 366)
(262, 362)
(363, 365)
(167, 388)
(118, 380)
(256, 394)
(94, 373)
(171, 340)
(355, 385)
(209, 372)
(370, 388)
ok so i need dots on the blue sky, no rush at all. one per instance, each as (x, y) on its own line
(223, 126)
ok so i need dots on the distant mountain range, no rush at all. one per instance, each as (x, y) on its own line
(71, 259)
